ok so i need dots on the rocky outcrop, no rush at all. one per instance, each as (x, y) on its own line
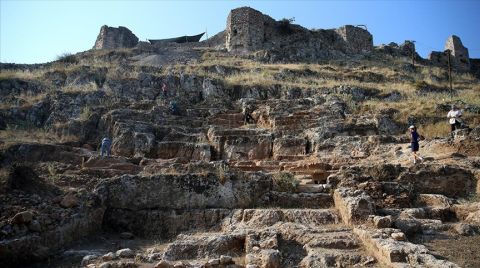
(112, 38)
(354, 206)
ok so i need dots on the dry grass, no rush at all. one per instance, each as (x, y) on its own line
(439, 129)
(23, 100)
(90, 87)
(13, 135)
(26, 75)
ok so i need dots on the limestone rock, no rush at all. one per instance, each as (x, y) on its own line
(382, 222)
(398, 236)
(433, 200)
(70, 200)
(464, 229)
(22, 217)
(125, 253)
(109, 256)
(354, 206)
(271, 258)
(164, 264)
(112, 38)
(88, 259)
(225, 260)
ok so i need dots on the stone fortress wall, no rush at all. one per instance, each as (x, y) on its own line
(248, 30)
(459, 54)
(111, 38)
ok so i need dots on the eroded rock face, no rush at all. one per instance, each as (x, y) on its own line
(112, 38)
(183, 192)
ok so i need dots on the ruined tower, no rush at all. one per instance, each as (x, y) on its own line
(459, 52)
(356, 39)
(245, 29)
(112, 38)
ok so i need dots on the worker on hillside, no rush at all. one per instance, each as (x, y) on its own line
(173, 108)
(454, 118)
(105, 149)
(164, 90)
(414, 145)
(247, 114)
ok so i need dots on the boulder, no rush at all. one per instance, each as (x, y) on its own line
(354, 206)
(125, 253)
(271, 258)
(70, 200)
(22, 217)
(164, 264)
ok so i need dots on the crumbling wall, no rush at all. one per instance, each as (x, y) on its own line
(458, 51)
(250, 30)
(356, 39)
(245, 29)
(459, 58)
(111, 38)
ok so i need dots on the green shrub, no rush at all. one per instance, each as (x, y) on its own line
(284, 25)
(285, 182)
(67, 58)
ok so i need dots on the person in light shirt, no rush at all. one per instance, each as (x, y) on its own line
(454, 118)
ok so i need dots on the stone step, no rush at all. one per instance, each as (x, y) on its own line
(299, 200)
(230, 123)
(333, 257)
(342, 239)
(313, 188)
(291, 157)
(179, 149)
(255, 218)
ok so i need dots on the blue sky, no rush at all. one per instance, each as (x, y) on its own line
(38, 31)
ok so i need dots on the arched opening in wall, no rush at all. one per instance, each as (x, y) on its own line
(234, 32)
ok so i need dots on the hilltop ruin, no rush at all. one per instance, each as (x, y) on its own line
(248, 31)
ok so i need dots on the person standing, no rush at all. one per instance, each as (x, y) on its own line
(414, 145)
(454, 118)
(105, 149)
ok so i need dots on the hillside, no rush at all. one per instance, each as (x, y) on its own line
(321, 175)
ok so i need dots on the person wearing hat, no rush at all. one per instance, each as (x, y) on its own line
(454, 118)
(415, 138)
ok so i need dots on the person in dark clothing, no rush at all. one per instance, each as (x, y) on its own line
(173, 108)
(247, 118)
(164, 90)
(415, 138)
(105, 148)
(247, 114)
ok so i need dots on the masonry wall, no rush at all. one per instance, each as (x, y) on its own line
(356, 39)
(245, 30)
(250, 30)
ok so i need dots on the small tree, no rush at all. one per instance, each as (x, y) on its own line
(284, 25)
